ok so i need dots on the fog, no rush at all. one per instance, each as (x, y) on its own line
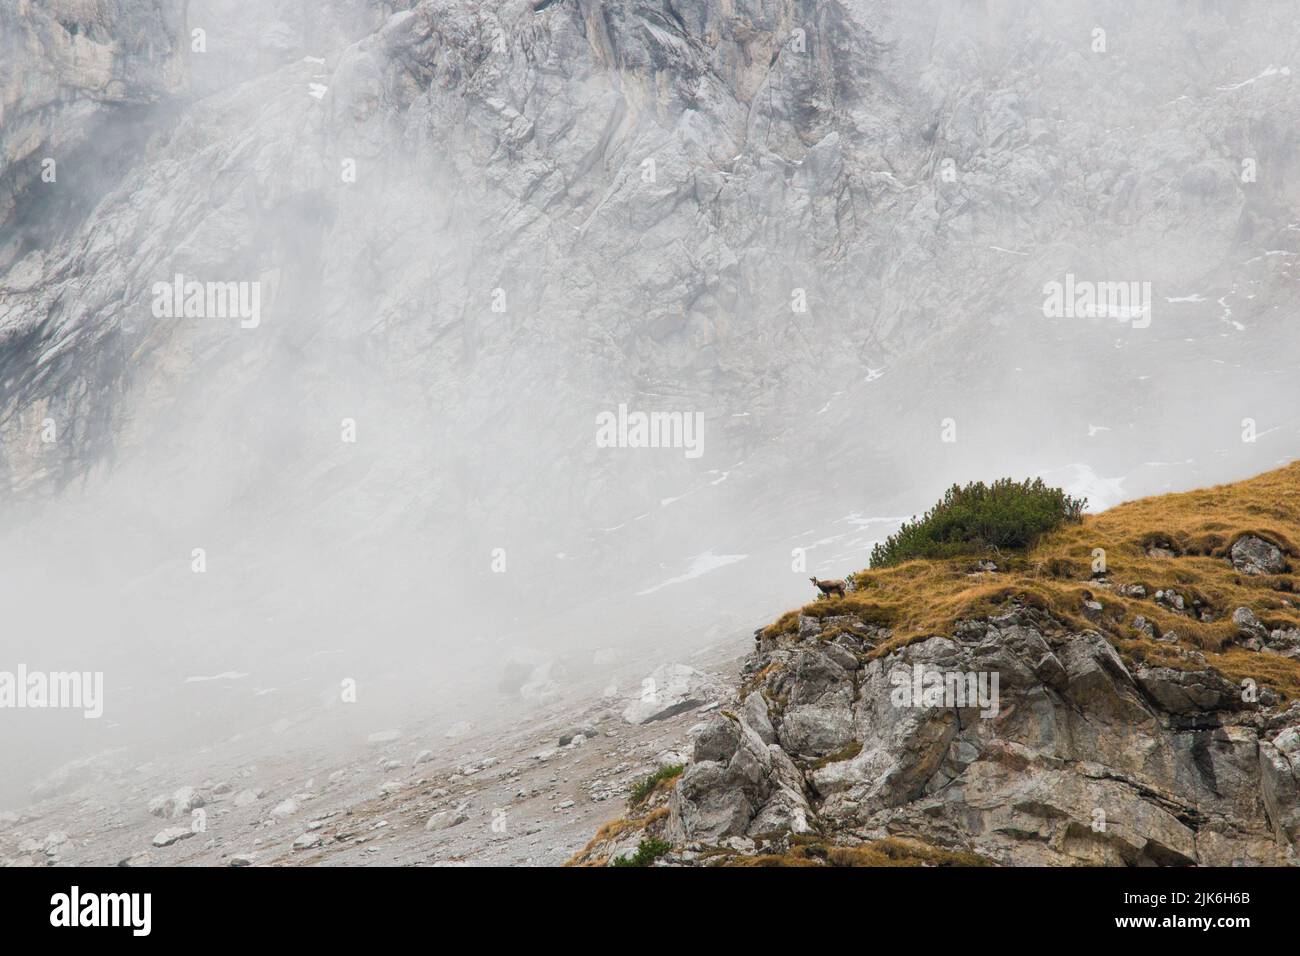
(392, 481)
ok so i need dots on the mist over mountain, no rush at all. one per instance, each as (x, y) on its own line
(433, 242)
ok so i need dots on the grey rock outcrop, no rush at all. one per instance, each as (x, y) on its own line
(737, 785)
(1280, 760)
(1188, 692)
(755, 711)
(65, 66)
(1014, 738)
(1254, 555)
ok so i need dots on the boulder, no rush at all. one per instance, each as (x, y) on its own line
(172, 835)
(736, 785)
(176, 804)
(1246, 620)
(670, 690)
(756, 713)
(446, 819)
(1253, 555)
(1189, 692)
(285, 808)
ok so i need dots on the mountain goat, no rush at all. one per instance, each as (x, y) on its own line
(828, 587)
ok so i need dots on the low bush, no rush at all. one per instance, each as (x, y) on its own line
(647, 851)
(979, 518)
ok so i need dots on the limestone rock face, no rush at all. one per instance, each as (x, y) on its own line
(737, 785)
(65, 65)
(655, 189)
(1015, 739)
(1280, 764)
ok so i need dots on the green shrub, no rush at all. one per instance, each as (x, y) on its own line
(647, 851)
(643, 788)
(979, 518)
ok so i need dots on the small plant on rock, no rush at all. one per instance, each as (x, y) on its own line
(647, 851)
(642, 789)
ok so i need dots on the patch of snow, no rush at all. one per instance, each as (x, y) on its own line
(1080, 481)
(701, 564)
(224, 675)
(1271, 71)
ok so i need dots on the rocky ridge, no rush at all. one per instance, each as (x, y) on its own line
(1083, 761)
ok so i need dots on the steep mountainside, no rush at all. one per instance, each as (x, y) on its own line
(631, 202)
(1037, 711)
(472, 226)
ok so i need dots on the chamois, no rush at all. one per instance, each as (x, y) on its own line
(828, 587)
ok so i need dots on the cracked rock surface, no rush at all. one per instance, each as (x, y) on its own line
(1081, 761)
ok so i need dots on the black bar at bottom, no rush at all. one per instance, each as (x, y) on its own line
(331, 905)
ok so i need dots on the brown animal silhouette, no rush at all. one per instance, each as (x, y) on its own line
(828, 587)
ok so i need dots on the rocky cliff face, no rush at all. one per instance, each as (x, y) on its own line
(65, 67)
(830, 754)
(1079, 761)
(608, 202)
(471, 191)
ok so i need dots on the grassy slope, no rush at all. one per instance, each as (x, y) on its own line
(923, 598)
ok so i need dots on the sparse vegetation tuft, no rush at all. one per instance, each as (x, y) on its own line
(647, 851)
(642, 789)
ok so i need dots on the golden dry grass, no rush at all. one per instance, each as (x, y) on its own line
(607, 833)
(650, 822)
(919, 599)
